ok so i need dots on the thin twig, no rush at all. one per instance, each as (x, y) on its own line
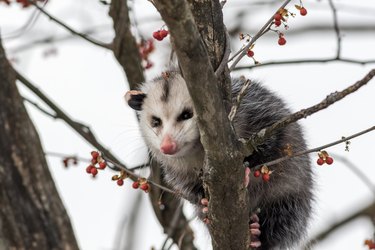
(317, 149)
(242, 52)
(264, 133)
(240, 95)
(136, 176)
(300, 61)
(336, 27)
(54, 116)
(84, 36)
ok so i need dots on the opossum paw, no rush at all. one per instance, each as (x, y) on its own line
(254, 231)
(204, 210)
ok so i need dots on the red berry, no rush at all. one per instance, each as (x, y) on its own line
(88, 169)
(282, 41)
(250, 53)
(277, 16)
(94, 154)
(303, 11)
(135, 185)
(164, 33)
(277, 22)
(102, 165)
(94, 171)
(94, 161)
(144, 187)
(329, 160)
(257, 173)
(120, 182)
(266, 177)
(157, 35)
(320, 161)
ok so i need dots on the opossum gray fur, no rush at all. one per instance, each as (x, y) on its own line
(166, 111)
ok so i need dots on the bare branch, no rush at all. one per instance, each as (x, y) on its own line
(240, 95)
(336, 27)
(368, 211)
(81, 129)
(40, 108)
(84, 36)
(259, 137)
(242, 52)
(300, 61)
(124, 44)
(304, 152)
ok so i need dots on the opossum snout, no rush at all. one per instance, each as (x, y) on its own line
(168, 146)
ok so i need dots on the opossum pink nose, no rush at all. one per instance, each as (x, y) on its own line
(168, 146)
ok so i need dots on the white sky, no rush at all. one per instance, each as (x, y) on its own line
(87, 82)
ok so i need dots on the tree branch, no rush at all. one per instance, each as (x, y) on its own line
(265, 133)
(242, 52)
(317, 149)
(84, 36)
(368, 211)
(124, 44)
(300, 61)
(223, 154)
(336, 28)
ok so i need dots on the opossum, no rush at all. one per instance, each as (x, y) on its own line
(168, 123)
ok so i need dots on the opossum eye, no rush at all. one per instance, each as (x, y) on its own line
(155, 121)
(185, 115)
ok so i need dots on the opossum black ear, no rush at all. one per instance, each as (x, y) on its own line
(134, 98)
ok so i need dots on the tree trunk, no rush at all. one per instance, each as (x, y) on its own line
(32, 215)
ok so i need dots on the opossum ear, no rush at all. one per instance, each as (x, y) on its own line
(134, 98)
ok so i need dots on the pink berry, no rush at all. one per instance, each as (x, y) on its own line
(164, 33)
(250, 53)
(320, 161)
(144, 187)
(94, 171)
(277, 16)
(135, 185)
(94, 154)
(329, 160)
(157, 35)
(282, 41)
(88, 169)
(257, 173)
(102, 165)
(266, 177)
(303, 11)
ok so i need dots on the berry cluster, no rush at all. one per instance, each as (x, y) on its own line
(70, 160)
(281, 17)
(160, 34)
(96, 159)
(324, 158)
(24, 3)
(120, 178)
(264, 172)
(145, 48)
(370, 244)
(142, 184)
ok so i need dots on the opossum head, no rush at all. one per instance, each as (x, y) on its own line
(166, 115)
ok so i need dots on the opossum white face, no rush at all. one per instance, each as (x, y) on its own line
(167, 118)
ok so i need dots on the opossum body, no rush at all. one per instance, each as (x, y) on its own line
(168, 124)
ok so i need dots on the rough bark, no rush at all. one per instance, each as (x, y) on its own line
(124, 44)
(222, 169)
(32, 215)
